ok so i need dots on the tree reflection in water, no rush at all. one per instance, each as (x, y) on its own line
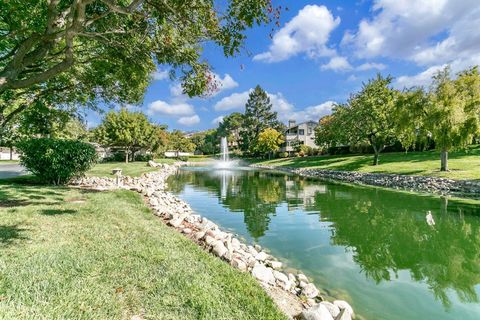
(385, 230)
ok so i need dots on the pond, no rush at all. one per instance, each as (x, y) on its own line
(370, 246)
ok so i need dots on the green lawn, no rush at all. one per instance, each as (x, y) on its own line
(9, 161)
(463, 164)
(132, 169)
(71, 254)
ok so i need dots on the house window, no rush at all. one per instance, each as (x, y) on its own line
(309, 130)
(301, 132)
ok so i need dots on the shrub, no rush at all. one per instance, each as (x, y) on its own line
(300, 154)
(183, 158)
(116, 157)
(143, 157)
(56, 161)
(283, 154)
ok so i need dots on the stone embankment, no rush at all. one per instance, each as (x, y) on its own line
(294, 293)
(442, 186)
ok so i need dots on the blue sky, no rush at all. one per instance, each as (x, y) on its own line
(322, 52)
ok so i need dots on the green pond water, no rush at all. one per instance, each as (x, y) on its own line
(369, 246)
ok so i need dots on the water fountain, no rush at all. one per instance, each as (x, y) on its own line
(224, 162)
(224, 149)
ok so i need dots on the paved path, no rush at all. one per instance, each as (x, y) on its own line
(9, 170)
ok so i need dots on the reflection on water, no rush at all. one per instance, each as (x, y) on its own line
(375, 246)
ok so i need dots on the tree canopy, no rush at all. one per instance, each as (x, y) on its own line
(72, 52)
(449, 113)
(367, 117)
(269, 140)
(258, 117)
(131, 131)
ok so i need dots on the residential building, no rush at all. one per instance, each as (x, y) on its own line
(299, 134)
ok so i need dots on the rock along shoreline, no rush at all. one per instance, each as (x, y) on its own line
(440, 186)
(295, 295)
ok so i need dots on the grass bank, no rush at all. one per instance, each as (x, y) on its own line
(71, 254)
(132, 169)
(9, 161)
(463, 164)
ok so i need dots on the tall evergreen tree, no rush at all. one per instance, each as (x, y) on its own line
(258, 117)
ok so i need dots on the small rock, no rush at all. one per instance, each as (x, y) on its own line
(257, 247)
(219, 249)
(236, 243)
(199, 235)
(302, 277)
(333, 309)
(239, 264)
(252, 251)
(187, 230)
(317, 312)
(274, 264)
(344, 305)
(310, 291)
(209, 240)
(262, 256)
(263, 274)
(344, 315)
(292, 278)
(280, 276)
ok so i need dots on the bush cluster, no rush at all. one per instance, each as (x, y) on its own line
(56, 161)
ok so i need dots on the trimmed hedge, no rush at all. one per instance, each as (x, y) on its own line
(56, 161)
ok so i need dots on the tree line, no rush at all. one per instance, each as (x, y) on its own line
(447, 113)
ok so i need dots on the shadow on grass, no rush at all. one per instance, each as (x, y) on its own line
(57, 212)
(8, 234)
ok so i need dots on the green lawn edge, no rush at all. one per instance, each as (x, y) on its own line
(75, 254)
(464, 164)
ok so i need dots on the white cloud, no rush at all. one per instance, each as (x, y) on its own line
(286, 111)
(337, 64)
(370, 66)
(189, 121)
(352, 77)
(428, 32)
(223, 84)
(424, 78)
(308, 32)
(170, 109)
(313, 113)
(233, 101)
(217, 120)
(176, 90)
(160, 75)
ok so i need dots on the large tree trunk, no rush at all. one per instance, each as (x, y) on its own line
(126, 155)
(375, 158)
(444, 160)
(11, 153)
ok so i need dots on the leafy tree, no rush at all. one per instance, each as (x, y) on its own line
(230, 127)
(206, 142)
(179, 143)
(258, 117)
(77, 52)
(269, 140)
(448, 113)
(367, 117)
(130, 130)
(328, 133)
(45, 121)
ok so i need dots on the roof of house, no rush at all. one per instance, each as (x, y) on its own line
(299, 124)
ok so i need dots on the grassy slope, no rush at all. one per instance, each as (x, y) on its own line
(463, 164)
(132, 169)
(94, 260)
